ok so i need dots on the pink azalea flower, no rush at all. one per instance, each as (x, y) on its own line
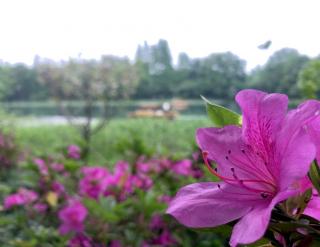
(142, 166)
(40, 207)
(74, 152)
(313, 206)
(165, 164)
(115, 243)
(314, 131)
(196, 155)
(258, 165)
(165, 198)
(57, 167)
(120, 179)
(24, 196)
(197, 174)
(41, 164)
(183, 167)
(58, 187)
(80, 240)
(156, 222)
(72, 217)
(165, 239)
(13, 200)
(120, 175)
(94, 182)
(140, 181)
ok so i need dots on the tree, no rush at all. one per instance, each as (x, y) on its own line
(184, 62)
(89, 81)
(156, 72)
(26, 85)
(6, 81)
(219, 75)
(280, 74)
(309, 79)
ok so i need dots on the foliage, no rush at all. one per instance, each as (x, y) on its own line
(152, 74)
(309, 79)
(20, 82)
(221, 116)
(88, 80)
(9, 154)
(280, 73)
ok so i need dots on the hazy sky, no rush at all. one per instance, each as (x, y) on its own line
(60, 29)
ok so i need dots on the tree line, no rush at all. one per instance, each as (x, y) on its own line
(152, 74)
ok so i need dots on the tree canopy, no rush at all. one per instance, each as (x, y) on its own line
(152, 74)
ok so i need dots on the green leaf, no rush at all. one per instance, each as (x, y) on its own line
(299, 203)
(224, 230)
(102, 209)
(221, 116)
(314, 175)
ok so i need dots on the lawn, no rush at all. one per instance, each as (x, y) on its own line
(120, 139)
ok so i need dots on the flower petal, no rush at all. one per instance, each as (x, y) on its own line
(295, 149)
(262, 117)
(295, 119)
(313, 208)
(209, 204)
(296, 159)
(226, 147)
(314, 131)
(217, 142)
(253, 225)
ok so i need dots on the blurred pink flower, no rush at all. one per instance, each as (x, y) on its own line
(58, 167)
(13, 200)
(74, 152)
(80, 240)
(120, 175)
(58, 187)
(152, 165)
(72, 217)
(165, 239)
(197, 173)
(40, 207)
(115, 243)
(24, 196)
(183, 167)
(156, 222)
(143, 167)
(196, 155)
(41, 164)
(94, 182)
(165, 164)
(165, 198)
(140, 181)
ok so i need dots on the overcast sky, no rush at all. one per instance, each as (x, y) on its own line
(62, 29)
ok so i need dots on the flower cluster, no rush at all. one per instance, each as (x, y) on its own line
(77, 196)
(22, 197)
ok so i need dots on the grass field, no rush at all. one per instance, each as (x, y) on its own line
(120, 139)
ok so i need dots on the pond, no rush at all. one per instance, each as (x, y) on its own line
(115, 109)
